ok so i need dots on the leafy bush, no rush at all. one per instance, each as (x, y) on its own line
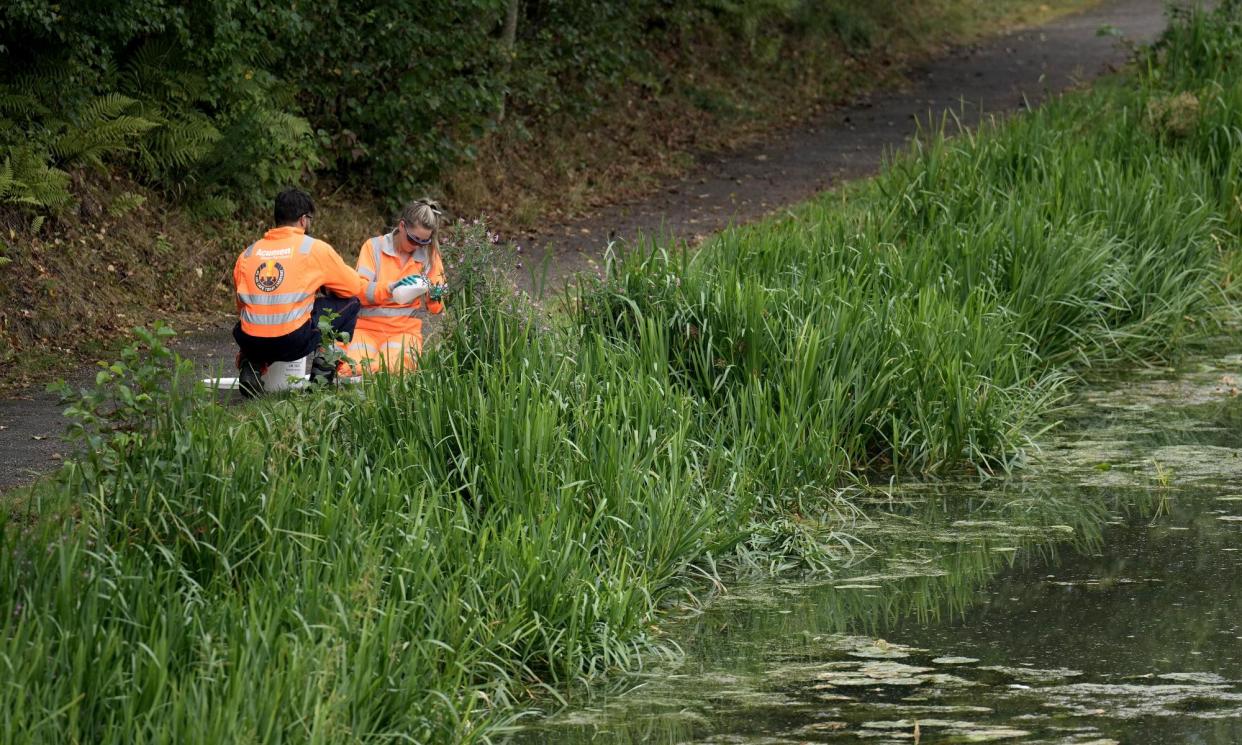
(227, 100)
(477, 265)
(139, 396)
(120, 83)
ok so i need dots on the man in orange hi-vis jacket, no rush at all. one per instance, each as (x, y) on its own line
(277, 279)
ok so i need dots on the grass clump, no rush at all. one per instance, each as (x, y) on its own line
(411, 559)
(927, 317)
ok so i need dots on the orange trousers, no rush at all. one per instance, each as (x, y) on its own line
(374, 351)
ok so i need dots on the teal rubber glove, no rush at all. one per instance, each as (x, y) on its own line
(413, 279)
(437, 292)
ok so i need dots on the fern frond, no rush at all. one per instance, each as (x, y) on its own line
(287, 124)
(97, 137)
(43, 77)
(215, 206)
(125, 203)
(26, 179)
(178, 144)
(159, 74)
(105, 107)
(49, 188)
(149, 66)
(19, 104)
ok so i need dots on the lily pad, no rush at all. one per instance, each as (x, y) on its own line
(960, 731)
(879, 653)
(1134, 701)
(1203, 678)
(1033, 675)
(919, 710)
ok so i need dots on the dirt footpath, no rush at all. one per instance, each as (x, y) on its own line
(1004, 74)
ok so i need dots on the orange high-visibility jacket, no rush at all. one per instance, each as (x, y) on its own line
(381, 264)
(277, 278)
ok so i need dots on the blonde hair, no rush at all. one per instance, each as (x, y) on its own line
(424, 213)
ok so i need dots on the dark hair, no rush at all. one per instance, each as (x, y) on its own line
(291, 204)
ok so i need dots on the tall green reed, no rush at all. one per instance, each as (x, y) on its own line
(928, 317)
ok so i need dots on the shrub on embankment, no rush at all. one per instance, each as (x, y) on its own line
(226, 101)
(408, 560)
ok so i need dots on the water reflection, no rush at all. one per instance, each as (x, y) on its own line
(1095, 599)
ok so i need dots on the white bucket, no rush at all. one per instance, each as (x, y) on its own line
(281, 376)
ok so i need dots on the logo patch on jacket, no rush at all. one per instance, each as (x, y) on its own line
(269, 275)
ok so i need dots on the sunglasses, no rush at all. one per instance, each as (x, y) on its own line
(418, 241)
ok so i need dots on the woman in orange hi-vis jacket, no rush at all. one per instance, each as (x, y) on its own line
(405, 280)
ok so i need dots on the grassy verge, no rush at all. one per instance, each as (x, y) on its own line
(412, 559)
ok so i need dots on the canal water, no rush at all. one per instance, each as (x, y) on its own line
(1094, 598)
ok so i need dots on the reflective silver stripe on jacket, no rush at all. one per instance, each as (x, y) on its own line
(250, 251)
(376, 249)
(307, 242)
(386, 244)
(385, 312)
(279, 319)
(364, 347)
(366, 272)
(377, 244)
(278, 299)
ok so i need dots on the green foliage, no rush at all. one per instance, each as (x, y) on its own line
(332, 342)
(477, 265)
(103, 126)
(233, 99)
(259, 149)
(174, 96)
(125, 203)
(122, 84)
(27, 179)
(398, 90)
(359, 558)
(939, 313)
(138, 397)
